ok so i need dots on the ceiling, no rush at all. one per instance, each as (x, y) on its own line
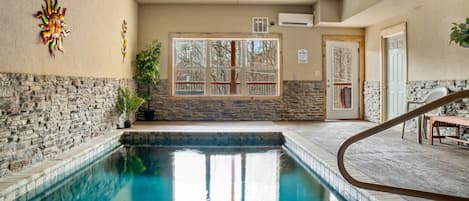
(246, 2)
(378, 12)
(386, 9)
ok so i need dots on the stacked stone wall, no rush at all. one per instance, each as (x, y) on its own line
(301, 100)
(44, 115)
(417, 90)
(372, 96)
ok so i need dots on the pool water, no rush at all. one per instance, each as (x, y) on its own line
(140, 173)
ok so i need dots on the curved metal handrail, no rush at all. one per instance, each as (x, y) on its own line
(391, 123)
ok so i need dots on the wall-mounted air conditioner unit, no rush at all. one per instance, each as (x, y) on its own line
(295, 20)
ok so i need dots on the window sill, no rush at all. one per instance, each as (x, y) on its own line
(225, 97)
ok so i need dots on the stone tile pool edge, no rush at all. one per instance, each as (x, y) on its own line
(44, 174)
(38, 177)
(324, 165)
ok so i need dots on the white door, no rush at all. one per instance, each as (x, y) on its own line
(342, 61)
(395, 77)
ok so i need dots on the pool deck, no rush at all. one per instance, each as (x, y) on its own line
(385, 158)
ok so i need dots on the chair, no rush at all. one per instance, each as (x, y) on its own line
(434, 94)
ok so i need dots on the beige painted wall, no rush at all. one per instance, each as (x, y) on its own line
(430, 56)
(156, 21)
(92, 49)
(326, 11)
(349, 8)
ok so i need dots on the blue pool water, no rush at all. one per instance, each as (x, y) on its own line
(140, 173)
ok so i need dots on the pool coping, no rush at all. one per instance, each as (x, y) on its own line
(325, 165)
(34, 179)
(41, 175)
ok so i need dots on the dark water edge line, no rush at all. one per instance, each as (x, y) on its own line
(51, 188)
(58, 184)
(44, 193)
(208, 146)
(315, 175)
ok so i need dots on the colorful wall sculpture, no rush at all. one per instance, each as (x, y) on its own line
(53, 26)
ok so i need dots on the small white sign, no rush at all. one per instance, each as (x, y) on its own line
(302, 56)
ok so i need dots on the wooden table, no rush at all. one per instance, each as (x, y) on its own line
(459, 121)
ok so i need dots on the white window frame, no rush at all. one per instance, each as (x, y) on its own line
(225, 36)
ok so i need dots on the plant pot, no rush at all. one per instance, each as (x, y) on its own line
(127, 124)
(120, 122)
(149, 115)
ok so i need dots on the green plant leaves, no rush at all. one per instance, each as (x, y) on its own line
(148, 67)
(128, 102)
(460, 33)
(134, 164)
(148, 63)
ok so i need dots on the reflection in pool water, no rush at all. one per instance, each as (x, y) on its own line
(192, 174)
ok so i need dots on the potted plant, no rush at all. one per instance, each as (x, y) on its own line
(127, 104)
(148, 62)
(460, 34)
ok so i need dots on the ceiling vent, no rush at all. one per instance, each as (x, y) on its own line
(295, 20)
(260, 25)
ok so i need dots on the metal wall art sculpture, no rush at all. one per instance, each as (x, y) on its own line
(53, 26)
(124, 40)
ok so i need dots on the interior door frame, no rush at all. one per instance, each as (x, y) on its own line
(361, 68)
(384, 35)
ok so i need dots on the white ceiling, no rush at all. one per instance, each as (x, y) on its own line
(386, 9)
(378, 12)
(247, 2)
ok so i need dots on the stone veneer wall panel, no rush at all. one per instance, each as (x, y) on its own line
(302, 100)
(372, 96)
(44, 115)
(417, 90)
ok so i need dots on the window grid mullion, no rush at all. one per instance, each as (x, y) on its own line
(208, 69)
(244, 90)
(240, 68)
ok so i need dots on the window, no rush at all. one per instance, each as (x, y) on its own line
(238, 66)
